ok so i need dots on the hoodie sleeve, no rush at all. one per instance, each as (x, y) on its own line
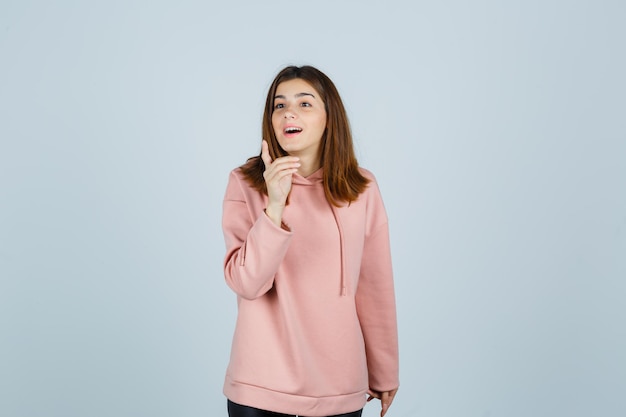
(255, 247)
(375, 299)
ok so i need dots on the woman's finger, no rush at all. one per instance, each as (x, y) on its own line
(279, 166)
(385, 401)
(265, 154)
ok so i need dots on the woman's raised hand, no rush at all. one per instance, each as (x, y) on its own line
(277, 176)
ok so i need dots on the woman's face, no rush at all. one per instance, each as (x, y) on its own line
(298, 118)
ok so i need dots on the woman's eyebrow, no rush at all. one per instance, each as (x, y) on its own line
(296, 96)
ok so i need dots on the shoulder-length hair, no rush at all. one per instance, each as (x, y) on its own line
(341, 177)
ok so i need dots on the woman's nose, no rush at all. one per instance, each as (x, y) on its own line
(289, 114)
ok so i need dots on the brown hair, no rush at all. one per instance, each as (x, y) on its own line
(342, 180)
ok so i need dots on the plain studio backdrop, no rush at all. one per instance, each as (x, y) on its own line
(496, 130)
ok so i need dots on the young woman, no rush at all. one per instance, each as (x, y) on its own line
(307, 253)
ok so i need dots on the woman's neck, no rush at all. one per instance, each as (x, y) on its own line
(308, 165)
(307, 169)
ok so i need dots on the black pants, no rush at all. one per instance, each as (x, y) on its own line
(237, 410)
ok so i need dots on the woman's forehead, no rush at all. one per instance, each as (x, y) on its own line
(295, 87)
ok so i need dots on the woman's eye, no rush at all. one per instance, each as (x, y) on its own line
(305, 104)
(279, 105)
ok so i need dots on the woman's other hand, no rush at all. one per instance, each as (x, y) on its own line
(385, 397)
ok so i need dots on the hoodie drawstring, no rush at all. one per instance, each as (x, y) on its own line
(344, 290)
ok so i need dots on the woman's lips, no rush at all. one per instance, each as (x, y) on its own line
(291, 131)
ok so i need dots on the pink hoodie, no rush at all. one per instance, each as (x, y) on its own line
(317, 321)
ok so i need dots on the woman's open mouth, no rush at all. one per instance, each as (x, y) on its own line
(291, 131)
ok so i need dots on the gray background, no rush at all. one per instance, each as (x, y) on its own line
(496, 130)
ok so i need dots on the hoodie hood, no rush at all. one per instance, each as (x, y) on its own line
(315, 178)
